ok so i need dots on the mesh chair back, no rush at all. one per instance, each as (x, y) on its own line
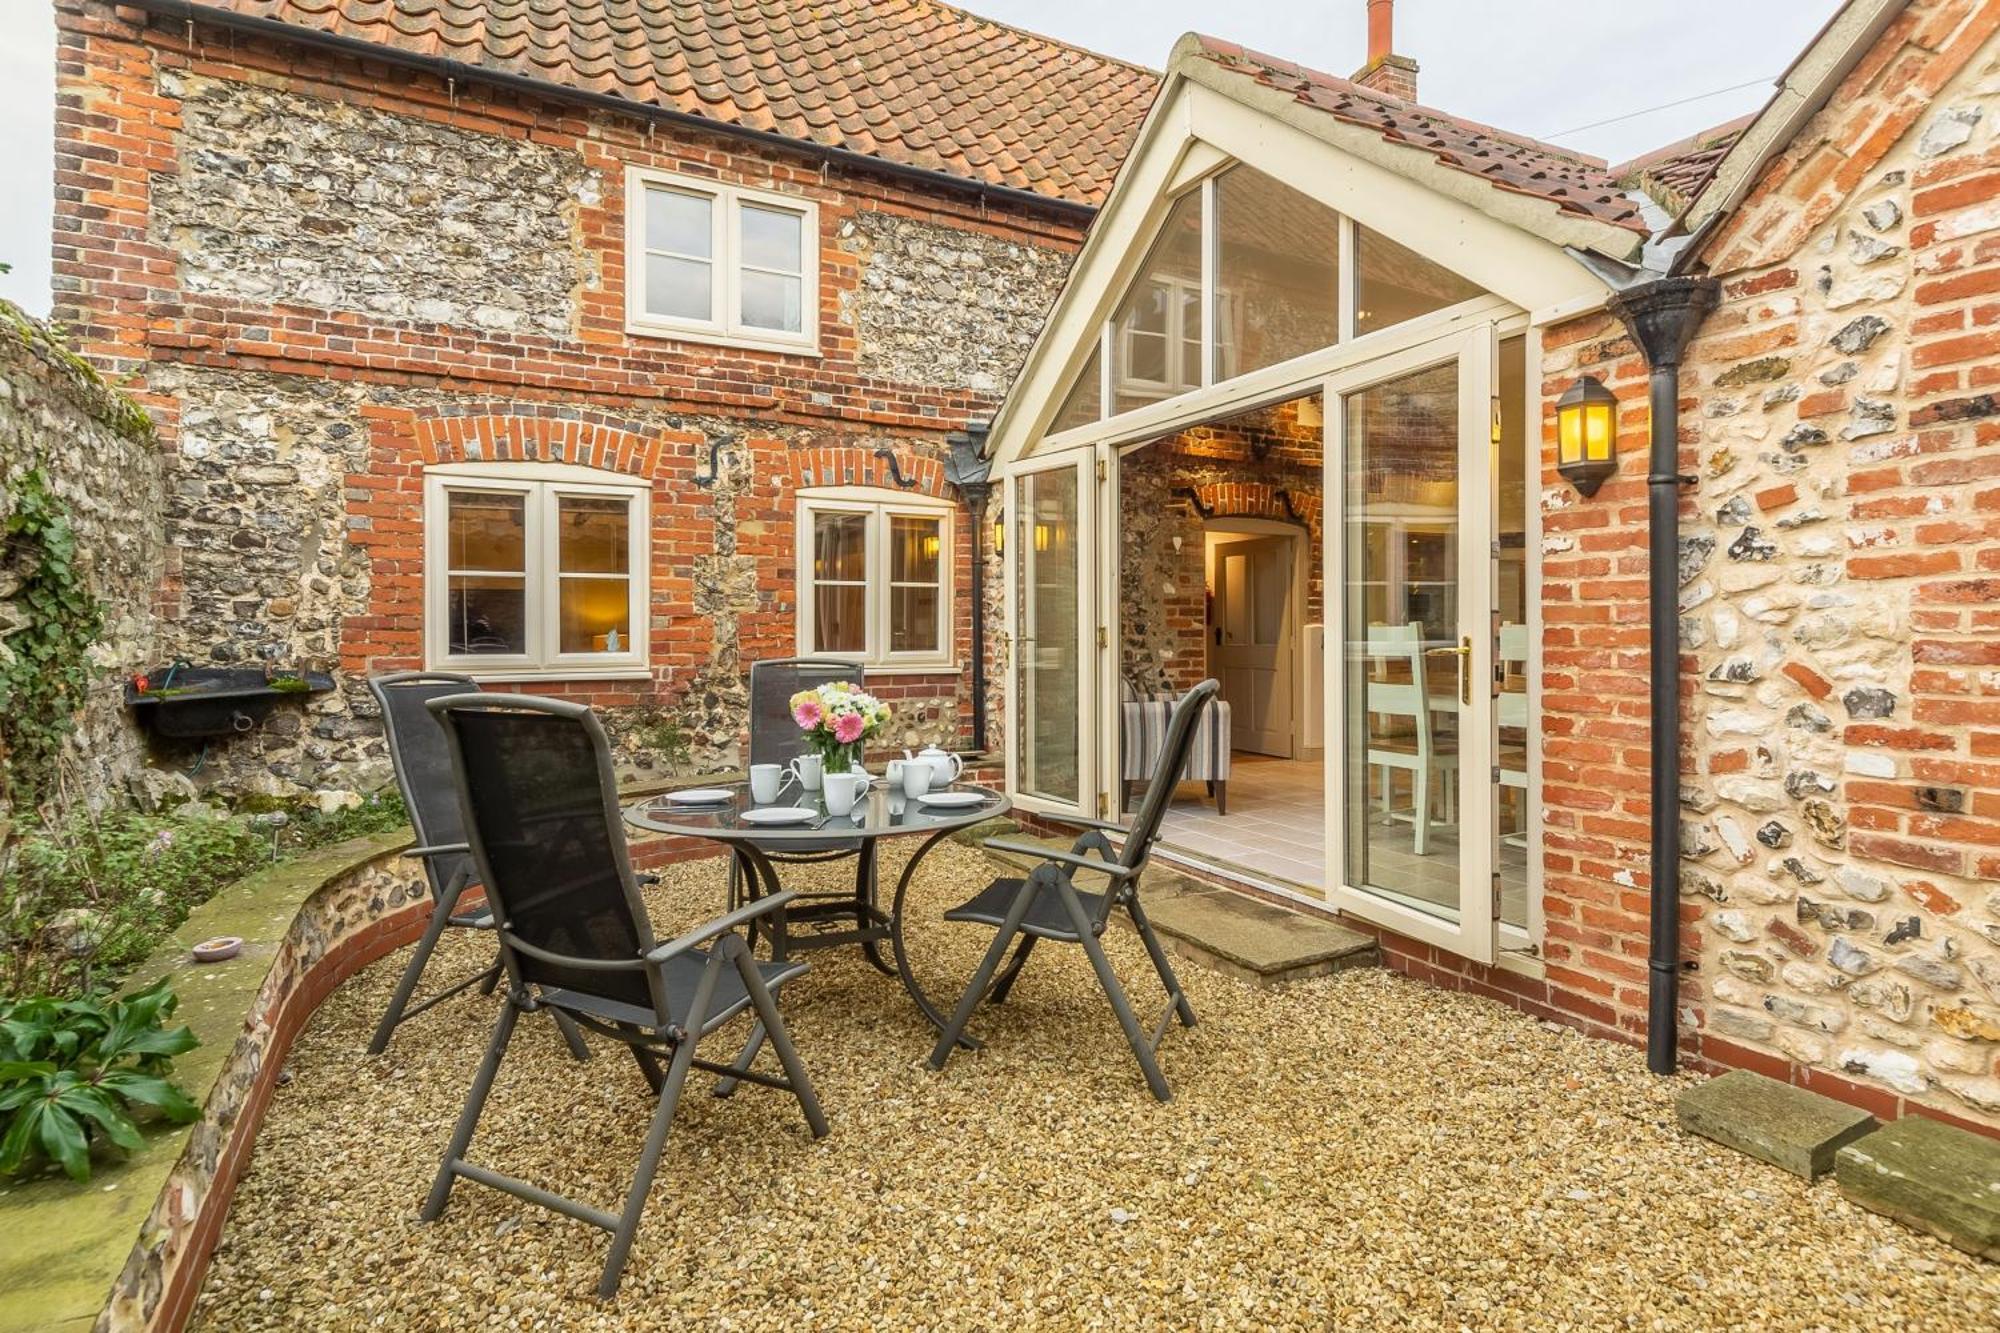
(541, 812)
(1166, 774)
(422, 762)
(774, 737)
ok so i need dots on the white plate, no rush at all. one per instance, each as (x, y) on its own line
(952, 800)
(700, 796)
(779, 814)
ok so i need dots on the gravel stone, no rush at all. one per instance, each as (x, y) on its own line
(1355, 1151)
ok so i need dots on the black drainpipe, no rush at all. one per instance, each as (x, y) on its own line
(1661, 316)
(971, 474)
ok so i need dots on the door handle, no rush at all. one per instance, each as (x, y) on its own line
(1464, 655)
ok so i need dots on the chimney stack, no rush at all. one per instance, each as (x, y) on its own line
(1386, 72)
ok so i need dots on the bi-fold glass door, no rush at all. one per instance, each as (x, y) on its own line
(1411, 553)
(1050, 550)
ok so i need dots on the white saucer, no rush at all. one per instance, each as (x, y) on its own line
(700, 796)
(953, 800)
(779, 814)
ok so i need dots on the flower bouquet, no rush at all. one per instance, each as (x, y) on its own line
(838, 719)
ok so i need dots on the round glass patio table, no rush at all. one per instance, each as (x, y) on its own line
(828, 836)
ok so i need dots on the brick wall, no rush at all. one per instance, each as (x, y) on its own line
(1840, 601)
(1261, 464)
(329, 275)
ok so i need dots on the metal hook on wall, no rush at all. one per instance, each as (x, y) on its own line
(714, 465)
(895, 467)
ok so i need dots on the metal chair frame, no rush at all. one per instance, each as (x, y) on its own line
(447, 861)
(1081, 917)
(661, 1036)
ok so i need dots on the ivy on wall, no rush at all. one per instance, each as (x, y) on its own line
(45, 669)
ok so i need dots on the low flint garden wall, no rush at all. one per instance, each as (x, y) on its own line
(126, 1250)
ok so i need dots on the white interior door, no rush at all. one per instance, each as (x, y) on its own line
(1411, 569)
(1252, 647)
(1051, 560)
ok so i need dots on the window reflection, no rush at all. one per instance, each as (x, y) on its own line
(1396, 283)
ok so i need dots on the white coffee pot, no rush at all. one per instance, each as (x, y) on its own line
(945, 767)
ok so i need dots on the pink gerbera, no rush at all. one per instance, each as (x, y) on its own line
(807, 714)
(847, 728)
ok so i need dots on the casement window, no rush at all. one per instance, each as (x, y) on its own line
(534, 570)
(718, 263)
(875, 577)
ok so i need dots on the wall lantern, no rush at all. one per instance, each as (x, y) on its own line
(1000, 532)
(1587, 434)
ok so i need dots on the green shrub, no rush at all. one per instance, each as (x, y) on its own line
(72, 1072)
(310, 828)
(85, 899)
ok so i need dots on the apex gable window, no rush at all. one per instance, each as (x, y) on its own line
(534, 570)
(875, 577)
(720, 263)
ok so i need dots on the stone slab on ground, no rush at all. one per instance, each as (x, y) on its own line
(1933, 1176)
(1791, 1128)
(1231, 932)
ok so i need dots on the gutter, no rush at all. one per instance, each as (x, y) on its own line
(457, 71)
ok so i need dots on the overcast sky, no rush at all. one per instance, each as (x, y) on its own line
(1554, 69)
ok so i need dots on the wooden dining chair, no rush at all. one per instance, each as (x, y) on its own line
(1398, 692)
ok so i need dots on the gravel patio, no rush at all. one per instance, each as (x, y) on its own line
(1354, 1152)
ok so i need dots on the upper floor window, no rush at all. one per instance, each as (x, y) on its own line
(534, 569)
(718, 263)
(875, 577)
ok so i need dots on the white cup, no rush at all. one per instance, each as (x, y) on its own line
(843, 790)
(806, 768)
(766, 781)
(916, 778)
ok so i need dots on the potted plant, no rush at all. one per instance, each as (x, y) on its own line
(838, 720)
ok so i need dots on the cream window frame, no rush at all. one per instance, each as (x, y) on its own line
(880, 506)
(543, 486)
(724, 325)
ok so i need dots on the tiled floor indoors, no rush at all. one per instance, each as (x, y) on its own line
(1276, 829)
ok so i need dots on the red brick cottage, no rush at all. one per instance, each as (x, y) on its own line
(1294, 422)
(539, 343)
(532, 343)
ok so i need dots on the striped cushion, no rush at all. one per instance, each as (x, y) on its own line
(1144, 735)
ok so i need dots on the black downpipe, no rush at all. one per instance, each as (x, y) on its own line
(971, 473)
(1661, 316)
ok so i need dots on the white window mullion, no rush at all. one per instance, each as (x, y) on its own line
(545, 592)
(1345, 278)
(1209, 268)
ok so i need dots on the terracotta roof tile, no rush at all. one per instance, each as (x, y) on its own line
(911, 81)
(1571, 181)
(1676, 175)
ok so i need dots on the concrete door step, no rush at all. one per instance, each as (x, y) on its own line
(1774, 1122)
(1933, 1176)
(1216, 927)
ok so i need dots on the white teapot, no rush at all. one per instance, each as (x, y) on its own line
(945, 767)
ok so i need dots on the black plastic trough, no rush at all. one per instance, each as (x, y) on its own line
(193, 702)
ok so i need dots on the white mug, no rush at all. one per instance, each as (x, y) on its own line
(766, 781)
(916, 778)
(806, 768)
(843, 790)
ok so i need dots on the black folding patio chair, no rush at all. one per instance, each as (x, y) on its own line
(1047, 905)
(776, 739)
(423, 774)
(540, 809)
